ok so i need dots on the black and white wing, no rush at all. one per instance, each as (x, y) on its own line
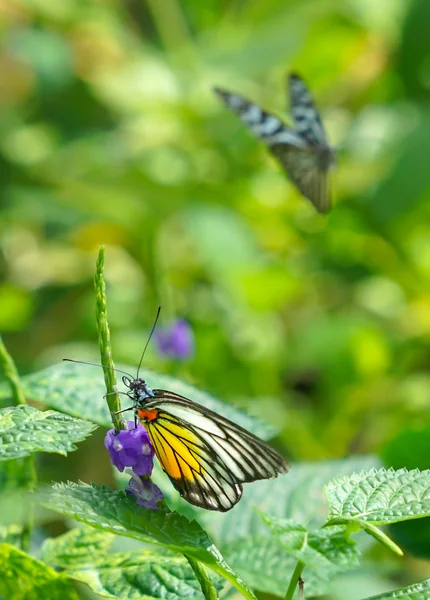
(303, 152)
(261, 123)
(206, 456)
(306, 117)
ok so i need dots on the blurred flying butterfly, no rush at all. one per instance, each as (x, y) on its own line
(206, 456)
(304, 152)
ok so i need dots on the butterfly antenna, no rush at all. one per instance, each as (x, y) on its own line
(83, 362)
(149, 339)
(118, 412)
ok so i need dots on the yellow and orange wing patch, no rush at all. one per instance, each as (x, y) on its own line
(186, 459)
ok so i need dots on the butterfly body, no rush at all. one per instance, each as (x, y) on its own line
(206, 456)
(303, 151)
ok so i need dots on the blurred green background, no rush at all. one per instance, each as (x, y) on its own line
(110, 133)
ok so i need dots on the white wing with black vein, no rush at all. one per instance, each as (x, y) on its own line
(206, 456)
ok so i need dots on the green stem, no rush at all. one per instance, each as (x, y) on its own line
(381, 537)
(112, 396)
(209, 592)
(25, 465)
(294, 580)
(170, 23)
(11, 374)
(355, 524)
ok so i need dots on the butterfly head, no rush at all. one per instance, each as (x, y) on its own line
(139, 389)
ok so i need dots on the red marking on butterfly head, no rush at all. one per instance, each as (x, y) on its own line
(147, 415)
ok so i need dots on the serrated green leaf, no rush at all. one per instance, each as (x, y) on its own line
(76, 547)
(24, 430)
(298, 495)
(115, 512)
(79, 390)
(24, 578)
(325, 551)
(266, 567)
(379, 496)
(141, 575)
(417, 591)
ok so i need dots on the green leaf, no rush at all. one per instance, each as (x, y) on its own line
(77, 547)
(79, 390)
(16, 506)
(417, 591)
(379, 496)
(24, 430)
(266, 567)
(325, 551)
(141, 574)
(115, 512)
(24, 578)
(410, 448)
(298, 495)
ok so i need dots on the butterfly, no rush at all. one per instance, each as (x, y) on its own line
(206, 456)
(304, 152)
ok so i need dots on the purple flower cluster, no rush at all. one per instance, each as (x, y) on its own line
(132, 448)
(176, 340)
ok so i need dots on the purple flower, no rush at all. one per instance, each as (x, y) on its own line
(176, 340)
(146, 492)
(131, 448)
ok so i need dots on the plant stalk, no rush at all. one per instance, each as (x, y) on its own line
(25, 465)
(11, 373)
(170, 23)
(294, 581)
(208, 589)
(382, 537)
(112, 396)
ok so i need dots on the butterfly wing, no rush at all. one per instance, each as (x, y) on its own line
(308, 170)
(306, 116)
(262, 124)
(206, 456)
(304, 153)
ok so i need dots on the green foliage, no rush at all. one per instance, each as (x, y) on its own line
(115, 512)
(266, 567)
(24, 430)
(325, 551)
(410, 448)
(24, 578)
(417, 591)
(85, 555)
(79, 391)
(75, 548)
(244, 539)
(379, 496)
